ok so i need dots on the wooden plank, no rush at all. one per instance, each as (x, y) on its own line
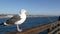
(54, 30)
(35, 30)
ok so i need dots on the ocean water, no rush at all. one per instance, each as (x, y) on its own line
(30, 22)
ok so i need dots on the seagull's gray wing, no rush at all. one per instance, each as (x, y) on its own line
(13, 19)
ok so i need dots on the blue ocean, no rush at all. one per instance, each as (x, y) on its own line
(30, 22)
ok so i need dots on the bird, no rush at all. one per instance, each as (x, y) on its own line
(17, 19)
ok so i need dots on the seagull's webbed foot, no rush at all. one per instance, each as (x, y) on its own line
(19, 30)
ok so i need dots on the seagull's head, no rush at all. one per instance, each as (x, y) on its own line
(23, 11)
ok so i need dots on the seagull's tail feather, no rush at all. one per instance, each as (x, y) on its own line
(2, 24)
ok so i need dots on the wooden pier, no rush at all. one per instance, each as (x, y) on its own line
(51, 27)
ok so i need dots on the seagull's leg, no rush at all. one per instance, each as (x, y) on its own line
(19, 30)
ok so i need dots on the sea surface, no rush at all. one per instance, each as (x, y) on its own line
(30, 22)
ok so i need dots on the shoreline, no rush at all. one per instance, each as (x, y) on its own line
(10, 15)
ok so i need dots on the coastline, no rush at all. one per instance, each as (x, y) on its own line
(10, 15)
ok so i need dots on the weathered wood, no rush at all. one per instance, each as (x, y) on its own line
(58, 32)
(54, 30)
(35, 30)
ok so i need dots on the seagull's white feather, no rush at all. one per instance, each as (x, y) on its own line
(17, 19)
(23, 18)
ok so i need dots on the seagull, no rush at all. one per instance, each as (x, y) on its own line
(17, 19)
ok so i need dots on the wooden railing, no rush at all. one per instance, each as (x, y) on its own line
(38, 29)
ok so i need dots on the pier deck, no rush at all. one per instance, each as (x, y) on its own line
(38, 29)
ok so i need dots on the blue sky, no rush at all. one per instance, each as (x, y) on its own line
(41, 7)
